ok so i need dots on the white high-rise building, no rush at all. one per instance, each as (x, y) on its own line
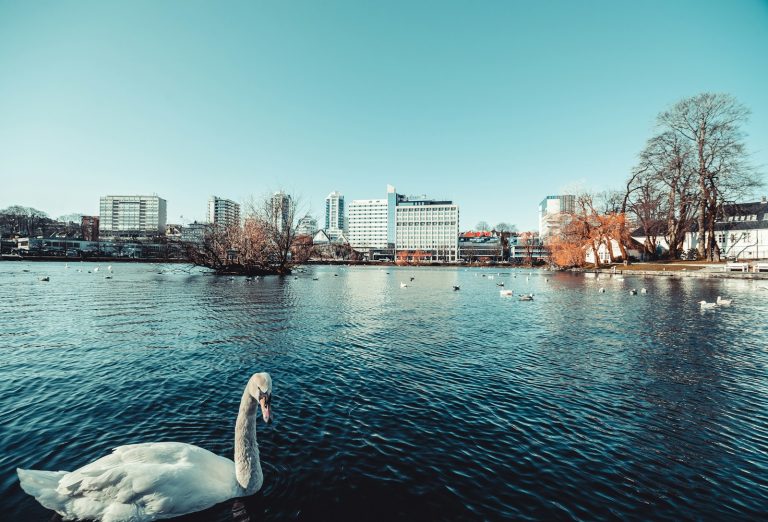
(223, 212)
(132, 217)
(553, 211)
(427, 230)
(368, 224)
(335, 224)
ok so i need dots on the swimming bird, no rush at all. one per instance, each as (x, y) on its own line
(643, 291)
(403, 285)
(707, 306)
(96, 269)
(602, 290)
(455, 287)
(528, 297)
(505, 293)
(157, 480)
(633, 292)
(46, 278)
(500, 284)
(724, 302)
(412, 278)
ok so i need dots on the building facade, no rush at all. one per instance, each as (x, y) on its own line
(368, 222)
(307, 226)
(426, 230)
(194, 232)
(223, 212)
(553, 211)
(132, 217)
(89, 228)
(281, 210)
(335, 223)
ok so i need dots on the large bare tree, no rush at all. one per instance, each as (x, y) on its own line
(709, 124)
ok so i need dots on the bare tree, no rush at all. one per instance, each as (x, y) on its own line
(505, 227)
(262, 245)
(482, 226)
(711, 126)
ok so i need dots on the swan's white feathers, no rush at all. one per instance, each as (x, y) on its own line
(143, 482)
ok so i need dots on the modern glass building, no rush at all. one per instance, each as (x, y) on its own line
(335, 224)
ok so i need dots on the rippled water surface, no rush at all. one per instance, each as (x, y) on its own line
(411, 403)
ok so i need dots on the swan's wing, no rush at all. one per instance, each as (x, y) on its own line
(148, 482)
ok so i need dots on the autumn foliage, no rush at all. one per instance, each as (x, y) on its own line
(585, 230)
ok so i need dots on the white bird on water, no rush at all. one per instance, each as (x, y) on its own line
(403, 285)
(724, 302)
(157, 480)
(707, 306)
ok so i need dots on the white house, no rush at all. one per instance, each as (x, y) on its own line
(633, 250)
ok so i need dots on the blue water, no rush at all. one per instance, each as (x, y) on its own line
(416, 403)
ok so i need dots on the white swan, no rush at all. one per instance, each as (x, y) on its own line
(157, 480)
(707, 306)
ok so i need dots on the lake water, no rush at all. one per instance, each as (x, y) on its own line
(416, 403)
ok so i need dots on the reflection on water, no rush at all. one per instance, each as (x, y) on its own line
(418, 402)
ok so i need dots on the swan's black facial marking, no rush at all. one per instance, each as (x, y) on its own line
(266, 396)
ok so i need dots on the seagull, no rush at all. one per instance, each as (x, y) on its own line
(724, 302)
(403, 285)
(707, 306)
(643, 291)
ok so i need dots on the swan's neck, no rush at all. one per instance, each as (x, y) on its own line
(247, 465)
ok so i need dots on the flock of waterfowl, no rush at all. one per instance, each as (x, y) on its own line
(503, 292)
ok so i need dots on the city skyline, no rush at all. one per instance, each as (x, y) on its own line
(491, 107)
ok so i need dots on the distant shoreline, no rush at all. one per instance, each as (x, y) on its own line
(672, 271)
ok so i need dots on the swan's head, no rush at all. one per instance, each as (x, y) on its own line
(260, 388)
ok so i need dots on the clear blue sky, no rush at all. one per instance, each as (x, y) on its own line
(493, 104)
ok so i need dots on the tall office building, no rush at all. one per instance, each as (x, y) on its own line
(132, 217)
(223, 212)
(368, 221)
(553, 211)
(281, 210)
(427, 229)
(335, 224)
(413, 227)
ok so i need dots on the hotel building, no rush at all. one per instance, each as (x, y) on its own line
(132, 217)
(409, 228)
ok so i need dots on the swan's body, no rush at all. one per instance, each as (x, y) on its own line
(158, 480)
(724, 302)
(705, 305)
